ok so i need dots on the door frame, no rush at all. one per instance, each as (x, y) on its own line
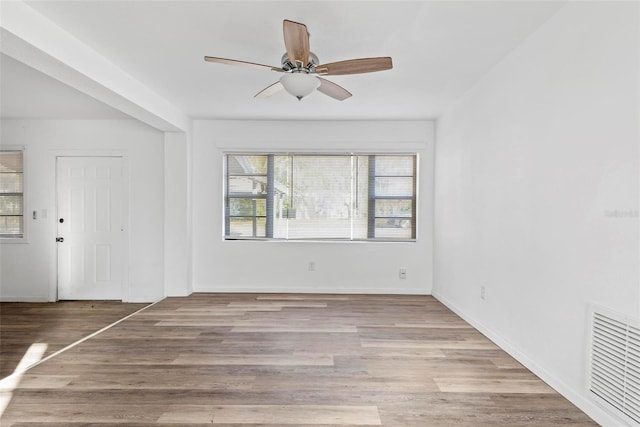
(126, 216)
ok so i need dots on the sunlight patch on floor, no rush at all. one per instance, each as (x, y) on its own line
(7, 385)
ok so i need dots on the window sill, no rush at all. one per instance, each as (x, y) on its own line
(341, 241)
(13, 241)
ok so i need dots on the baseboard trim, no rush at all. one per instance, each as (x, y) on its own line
(4, 298)
(592, 409)
(333, 290)
(136, 300)
(140, 300)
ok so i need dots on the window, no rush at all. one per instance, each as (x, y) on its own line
(11, 194)
(393, 197)
(320, 196)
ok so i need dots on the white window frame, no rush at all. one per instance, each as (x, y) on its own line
(415, 197)
(25, 204)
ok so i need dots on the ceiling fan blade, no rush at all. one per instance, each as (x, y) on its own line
(296, 40)
(333, 90)
(355, 66)
(270, 90)
(241, 63)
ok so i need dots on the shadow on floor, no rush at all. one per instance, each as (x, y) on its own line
(56, 324)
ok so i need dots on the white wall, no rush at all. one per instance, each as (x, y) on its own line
(537, 192)
(28, 271)
(177, 214)
(346, 267)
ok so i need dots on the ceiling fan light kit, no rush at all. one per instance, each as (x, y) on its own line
(302, 70)
(299, 84)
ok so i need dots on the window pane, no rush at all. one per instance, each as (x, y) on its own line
(11, 161)
(361, 199)
(333, 228)
(244, 227)
(247, 207)
(393, 228)
(282, 172)
(394, 165)
(280, 228)
(283, 202)
(396, 186)
(10, 205)
(321, 197)
(394, 208)
(253, 165)
(11, 226)
(248, 184)
(10, 183)
(261, 227)
(360, 229)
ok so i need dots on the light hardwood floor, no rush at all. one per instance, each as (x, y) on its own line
(274, 360)
(56, 324)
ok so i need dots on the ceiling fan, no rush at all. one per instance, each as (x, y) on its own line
(302, 70)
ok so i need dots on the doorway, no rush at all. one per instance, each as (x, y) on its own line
(90, 228)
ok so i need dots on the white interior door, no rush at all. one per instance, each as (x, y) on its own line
(90, 223)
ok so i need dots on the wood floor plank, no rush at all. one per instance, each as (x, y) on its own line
(434, 344)
(276, 414)
(296, 328)
(26, 413)
(280, 304)
(304, 297)
(492, 385)
(255, 359)
(276, 359)
(46, 381)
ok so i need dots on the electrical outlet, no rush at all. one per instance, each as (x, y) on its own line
(483, 292)
(312, 266)
(402, 273)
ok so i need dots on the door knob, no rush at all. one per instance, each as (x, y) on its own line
(60, 239)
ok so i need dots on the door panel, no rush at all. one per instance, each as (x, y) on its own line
(90, 220)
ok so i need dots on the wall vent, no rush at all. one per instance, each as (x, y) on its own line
(615, 364)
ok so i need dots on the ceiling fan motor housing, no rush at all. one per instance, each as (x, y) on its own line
(287, 65)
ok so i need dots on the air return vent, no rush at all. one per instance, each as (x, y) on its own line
(615, 364)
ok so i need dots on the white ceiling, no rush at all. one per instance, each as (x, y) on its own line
(439, 50)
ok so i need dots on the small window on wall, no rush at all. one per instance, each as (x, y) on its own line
(320, 196)
(392, 197)
(11, 194)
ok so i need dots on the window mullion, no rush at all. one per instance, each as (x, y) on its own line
(227, 203)
(270, 195)
(414, 207)
(371, 209)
